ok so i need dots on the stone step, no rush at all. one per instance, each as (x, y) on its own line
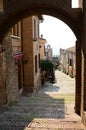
(55, 125)
(38, 102)
(54, 129)
(49, 101)
(49, 96)
(43, 124)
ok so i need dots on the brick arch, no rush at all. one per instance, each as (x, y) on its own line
(15, 10)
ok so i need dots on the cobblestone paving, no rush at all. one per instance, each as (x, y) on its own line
(51, 109)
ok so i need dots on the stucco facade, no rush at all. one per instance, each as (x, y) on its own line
(67, 61)
(42, 46)
(49, 52)
(22, 75)
(30, 46)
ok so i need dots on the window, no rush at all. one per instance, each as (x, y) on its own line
(44, 51)
(38, 29)
(35, 63)
(71, 62)
(39, 60)
(34, 28)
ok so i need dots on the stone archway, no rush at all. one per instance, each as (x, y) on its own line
(14, 10)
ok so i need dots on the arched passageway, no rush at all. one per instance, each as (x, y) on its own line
(14, 10)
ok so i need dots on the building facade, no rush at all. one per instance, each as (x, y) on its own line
(20, 60)
(49, 52)
(42, 46)
(30, 45)
(55, 59)
(67, 61)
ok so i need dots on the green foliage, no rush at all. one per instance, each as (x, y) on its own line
(46, 65)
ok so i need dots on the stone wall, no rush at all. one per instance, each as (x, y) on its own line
(11, 72)
(3, 94)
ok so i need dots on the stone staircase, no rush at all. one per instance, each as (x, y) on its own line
(54, 124)
(52, 108)
(41, 112)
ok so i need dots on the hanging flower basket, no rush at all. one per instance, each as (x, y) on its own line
(18, 55)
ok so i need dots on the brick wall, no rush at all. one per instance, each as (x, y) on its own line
(57, 8)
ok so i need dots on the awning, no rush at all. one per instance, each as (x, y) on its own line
(18, 55)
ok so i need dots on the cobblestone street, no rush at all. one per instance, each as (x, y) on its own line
(52, 108)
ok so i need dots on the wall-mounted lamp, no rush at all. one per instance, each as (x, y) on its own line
(16, 62)
(25, 61)
(35, 39)
(2, 49)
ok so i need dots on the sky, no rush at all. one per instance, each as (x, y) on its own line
(57, 33)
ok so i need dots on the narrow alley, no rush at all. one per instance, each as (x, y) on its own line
(52, 108)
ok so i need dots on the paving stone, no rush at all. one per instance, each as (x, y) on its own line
(52, 108)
